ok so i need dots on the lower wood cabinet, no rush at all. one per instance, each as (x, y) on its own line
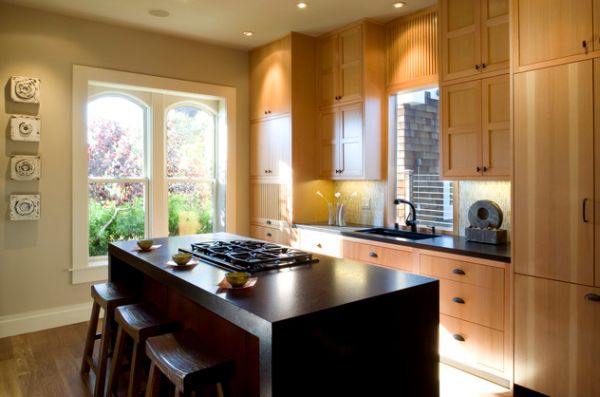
(557, 337)
(398, 258)
(277, 236)
(324, 243)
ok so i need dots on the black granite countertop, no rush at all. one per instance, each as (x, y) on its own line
(277, 295)
(446, 243)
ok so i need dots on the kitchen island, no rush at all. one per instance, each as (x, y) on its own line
(334, 327)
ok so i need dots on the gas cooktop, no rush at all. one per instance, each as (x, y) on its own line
(249, 255)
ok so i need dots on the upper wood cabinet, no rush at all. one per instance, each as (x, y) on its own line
(340, 67)
(474, 37)
(547, 30)
(475, 128)
(270, 148)
(597, 168)
(271, 79)
(554, 173)
(557, 338)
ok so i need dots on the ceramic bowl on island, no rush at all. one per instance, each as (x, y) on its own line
(145, 245)
(181, 258)
(237, 279)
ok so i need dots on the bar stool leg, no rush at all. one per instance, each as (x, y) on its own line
(106, 340)
(117, 360)
(224, 389)
(90, 338)
(153, 386)
(137, 369)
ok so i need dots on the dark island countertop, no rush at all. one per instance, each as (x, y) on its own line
(445, 243)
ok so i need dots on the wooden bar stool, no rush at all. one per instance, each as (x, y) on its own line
(178, 357)
(107, 296)
(139, 321)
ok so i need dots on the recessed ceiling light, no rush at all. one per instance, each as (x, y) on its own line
(399, 4)
(159, 13)
(301, 5)
(248, 33)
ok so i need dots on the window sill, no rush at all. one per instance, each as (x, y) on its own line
(95, 271)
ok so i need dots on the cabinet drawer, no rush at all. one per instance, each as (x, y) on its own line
(470, 343)
(269, 234)
(401, 259)
(321, 243)
(464, 272)
(476, 304)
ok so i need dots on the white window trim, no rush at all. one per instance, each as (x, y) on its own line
(83, 268)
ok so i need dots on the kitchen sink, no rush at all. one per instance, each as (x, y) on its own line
(380, 231)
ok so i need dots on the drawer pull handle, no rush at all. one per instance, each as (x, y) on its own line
(319, 245)
(373, 254)
(460, 272)
(592, 297)
(269, 235)
(269, 222)
(458, 300)
(459, 337)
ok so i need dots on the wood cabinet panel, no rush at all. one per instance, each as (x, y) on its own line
(269, 204)
(596, 7)
(321, 242)
(272, 235)
(471, 344)
(495, 48)
(556, 337)
(350, 68)
(329, 151)
(463, 272)
(400, 258)
(270, 79)
(597, 166)
(327, 70)
(554, 164)
(495, 126)
(552, 29)
(270, 148)
(351, 141)
(476, 304)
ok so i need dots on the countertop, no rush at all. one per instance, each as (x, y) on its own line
(445, 243)
(277, 295)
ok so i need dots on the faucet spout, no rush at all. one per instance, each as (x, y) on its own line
(412, 222)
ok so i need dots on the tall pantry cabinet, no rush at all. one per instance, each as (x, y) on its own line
(557, 196)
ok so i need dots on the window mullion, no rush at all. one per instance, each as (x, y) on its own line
(158, 210)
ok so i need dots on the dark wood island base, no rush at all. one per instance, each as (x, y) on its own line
(332, 328)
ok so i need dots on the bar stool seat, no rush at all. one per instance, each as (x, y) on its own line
(139, 322)
(107, 296)
(179, 358)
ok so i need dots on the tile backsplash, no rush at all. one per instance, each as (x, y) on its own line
(471, 191)
(368, 193)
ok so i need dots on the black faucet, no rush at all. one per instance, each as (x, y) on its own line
(413, 215)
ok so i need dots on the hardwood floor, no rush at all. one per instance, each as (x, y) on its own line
(46, 364)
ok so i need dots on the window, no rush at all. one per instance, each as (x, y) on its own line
(150, 158)
(417, 176)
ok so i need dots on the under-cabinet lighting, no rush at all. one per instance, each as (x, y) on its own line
(301, 5)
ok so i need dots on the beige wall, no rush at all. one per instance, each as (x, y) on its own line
(35, 256)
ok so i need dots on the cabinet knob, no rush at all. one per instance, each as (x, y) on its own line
(478, 169)
(459, 337)
(269, 234)
(266, 171)
(269, 222)
(373, 254)
(485, 168)
(456, 299)
(319, 245)
(458, 271)
(592, 297)
(477, 67)
(584, 44)
(483, 65)
(268, 111)
(265, 112)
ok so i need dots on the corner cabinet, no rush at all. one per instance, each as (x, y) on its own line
(475, 128)
(474, 38)
(350, 98)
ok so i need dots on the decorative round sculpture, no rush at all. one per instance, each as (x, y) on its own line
(25, 167)
(26, 88)
(25, 129)
(25, 207)
(484, 214)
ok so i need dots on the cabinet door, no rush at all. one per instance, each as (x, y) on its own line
(328, 143)
(259, 149)
(327, 73)
(280, 147)
(350, 64)
(554, 164)
(496, 126)
(351, 140)
(259, 70)
(597, 165)
(461, 129)
(460, 38)
(557, 343)
(596, 25)
(552, 29)
(494, 35)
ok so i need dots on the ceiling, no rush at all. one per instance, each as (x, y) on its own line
(223, 21)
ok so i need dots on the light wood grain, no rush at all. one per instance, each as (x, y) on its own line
(327, 70)
(597, 168)
(482, 346)
(351, 141)
(276, 236)
(269, 204)
(412, 50)
(495, 128)
(556, 337)
(554, 164)
(321, 242)
(483, 306)
(552, 29)
(453, 269)
(460, 38)
(401, 258)
(329, 150)
(495, 53)
(270, 148)
(350, 59)
(596, 7)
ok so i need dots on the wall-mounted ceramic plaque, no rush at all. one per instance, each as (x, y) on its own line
(24, 207)
(25, 89)
(25, 168)
(25, 128)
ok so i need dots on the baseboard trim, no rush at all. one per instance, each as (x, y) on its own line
(500, 381)
(16, 324)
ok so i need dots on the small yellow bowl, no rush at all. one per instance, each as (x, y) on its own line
(145, 245)
(181, 258)
(237, 279)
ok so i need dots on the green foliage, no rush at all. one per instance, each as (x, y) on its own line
(186, 205)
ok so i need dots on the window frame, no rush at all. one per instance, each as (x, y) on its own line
(85, 269)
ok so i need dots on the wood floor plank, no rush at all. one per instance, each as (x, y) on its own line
(9, 380)
(6, 349)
